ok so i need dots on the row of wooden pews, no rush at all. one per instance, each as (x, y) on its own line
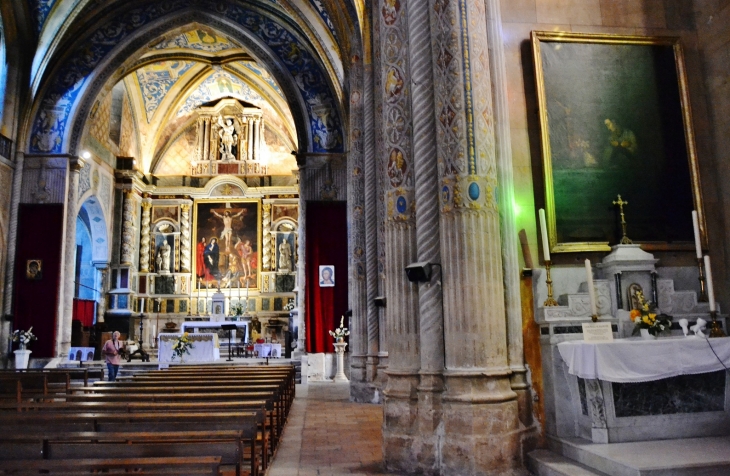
(182, 420)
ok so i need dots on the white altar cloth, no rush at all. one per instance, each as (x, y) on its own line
(205, 348)
(637, 360)
(268, 350)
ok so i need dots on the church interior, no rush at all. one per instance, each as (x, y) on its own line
(493, 233)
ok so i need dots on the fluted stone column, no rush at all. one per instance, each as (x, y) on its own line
(510, 259)
(400, 426)
(127, 256)
(69, 259)
(144, 240)
(480, 411)
(359, 389)
(185, 238)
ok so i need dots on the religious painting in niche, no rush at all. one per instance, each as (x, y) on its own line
(160, 213)
(614, 119)
(34, 269)
(284, 211)
(326, 276)
(227, 237)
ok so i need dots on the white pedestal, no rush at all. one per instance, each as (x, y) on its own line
(340, 351)
(22, 357)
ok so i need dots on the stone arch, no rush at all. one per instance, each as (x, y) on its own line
(97, 228)
(62, 108)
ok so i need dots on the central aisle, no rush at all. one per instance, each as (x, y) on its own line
(326, 435)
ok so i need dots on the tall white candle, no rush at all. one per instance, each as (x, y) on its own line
(710, 288)
(543, 230)
(696, 225)
(591, 289)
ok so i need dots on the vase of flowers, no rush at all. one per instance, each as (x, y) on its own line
(181, 346)
(22, 355)
(341, 332)
(648, 322)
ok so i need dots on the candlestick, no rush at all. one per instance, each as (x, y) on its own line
(548, 280)
(703, 290)
(197, 303)
(715, 329)
(710, 287)
(696, 226)
(591, 291)
(543, 231)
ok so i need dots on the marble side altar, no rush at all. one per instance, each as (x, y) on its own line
(630, 390)
(205, 348)
(638, 390)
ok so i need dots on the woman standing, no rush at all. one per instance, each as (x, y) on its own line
(112, 354)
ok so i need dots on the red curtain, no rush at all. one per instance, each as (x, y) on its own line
(40, 229)
(326, 237)
(84, 311)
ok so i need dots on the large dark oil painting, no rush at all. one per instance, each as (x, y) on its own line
(227, 241)
(615, 121)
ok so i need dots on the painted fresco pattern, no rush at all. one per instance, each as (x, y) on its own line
(317, 4)
(51, 122)
(198, 39)
(156, 80)
(41, 9)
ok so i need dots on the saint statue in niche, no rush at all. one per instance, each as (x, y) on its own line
(227, 133)
(163, 257)
(284, 256)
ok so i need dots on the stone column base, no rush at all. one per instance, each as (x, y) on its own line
(400, 422)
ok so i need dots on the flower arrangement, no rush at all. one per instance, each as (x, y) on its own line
(341, 332)
(646, 317)
(238, 309)
(289, 305)
(181, 346)
(24, 338)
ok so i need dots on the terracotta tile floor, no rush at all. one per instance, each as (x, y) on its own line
(326, 435)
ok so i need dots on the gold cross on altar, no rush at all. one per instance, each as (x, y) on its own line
(620, 202)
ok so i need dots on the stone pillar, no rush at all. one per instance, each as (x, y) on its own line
(359, 388)
(13, 233)
(127, 256)
(430, 305)
(185, 238)
(301, 271)
(371, 234)
(249, 151)
(400, 428)
(144, 240)
(480, 411)
(199, 151)
(510, 259)
(206, 140)
(103, 287)
(63, 342)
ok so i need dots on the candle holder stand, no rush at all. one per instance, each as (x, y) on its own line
(550, 301)
(715, 329)
(594, 318)
(703, 287)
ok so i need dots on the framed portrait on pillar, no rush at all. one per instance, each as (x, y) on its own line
(227, 236)
(615, 119)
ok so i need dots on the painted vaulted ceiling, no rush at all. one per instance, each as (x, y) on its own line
(190, 65)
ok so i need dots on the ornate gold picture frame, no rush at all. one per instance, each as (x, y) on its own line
(615, 119)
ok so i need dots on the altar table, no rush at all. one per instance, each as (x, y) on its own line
(208, 326)
(268, 350)
(205, 348)
(639, 360)
(638, 390)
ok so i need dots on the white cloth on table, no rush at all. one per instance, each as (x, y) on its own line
(204, 349)
(268, 350)
(637, 360)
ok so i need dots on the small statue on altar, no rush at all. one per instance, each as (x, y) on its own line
(163, 257)
(699, 327)
(285, 256)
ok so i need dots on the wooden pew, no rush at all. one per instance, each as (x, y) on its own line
(228, 444)
(55, 422)
(208, 465)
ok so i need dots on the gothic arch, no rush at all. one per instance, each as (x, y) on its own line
(99, 58)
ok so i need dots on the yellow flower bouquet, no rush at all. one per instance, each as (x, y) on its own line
(181, 346)
(646, 317)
